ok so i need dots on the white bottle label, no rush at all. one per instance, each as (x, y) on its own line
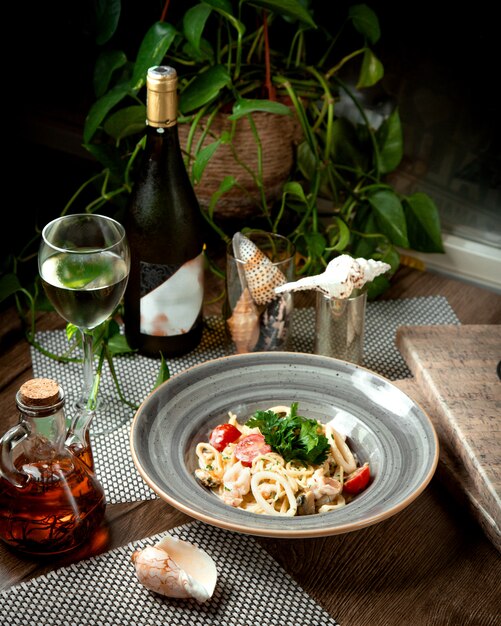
(171, 305)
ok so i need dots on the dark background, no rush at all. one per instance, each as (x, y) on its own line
(50, 61)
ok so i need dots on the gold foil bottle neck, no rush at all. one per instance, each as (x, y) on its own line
(161, 98)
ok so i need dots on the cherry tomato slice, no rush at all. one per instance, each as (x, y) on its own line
(358, 480)
(222, 435)
(250, 447)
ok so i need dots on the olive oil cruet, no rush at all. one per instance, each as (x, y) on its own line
(50, 498)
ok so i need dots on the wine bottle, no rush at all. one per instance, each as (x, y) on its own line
(164, 296)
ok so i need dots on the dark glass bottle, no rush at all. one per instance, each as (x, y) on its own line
(164, 296)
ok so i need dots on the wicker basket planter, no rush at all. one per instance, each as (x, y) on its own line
(278, 134)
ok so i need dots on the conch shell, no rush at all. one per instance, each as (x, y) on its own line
(261, 275)
(244, 323)
(176, 569)
(341, 276)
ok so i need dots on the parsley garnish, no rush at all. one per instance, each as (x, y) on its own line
(293, 437)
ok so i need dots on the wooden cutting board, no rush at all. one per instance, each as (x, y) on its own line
(455, 378)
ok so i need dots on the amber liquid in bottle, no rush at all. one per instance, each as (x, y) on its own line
(84, 453)
(56, 511)
(164, 296)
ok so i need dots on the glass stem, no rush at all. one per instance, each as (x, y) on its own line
(78, 434)
(87, 401)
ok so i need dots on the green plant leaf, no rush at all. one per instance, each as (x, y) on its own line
(365, 247)
(202, 159)
(117, 344)
(125, 122)
(107, 62)
(368, 236)
(340, 238)
(390, 256)
(163, 372)
(294, 189)
(316, 243)
(365, 22)
(107, 16)
(345, 146)
(152, 50)
(226, 184)
(307, 160)
(287, 8)
(72, 332)
(423, 223)
(244, 106)
(225, 136)
(109, 156)
(99, 335)
(194, 21)
(381, 283)
(112, 328)
(391, 148)
(390, 216)
(9, 285)
(377, 286)
(100, 109)
(223, 6)
(204, 88)
(371, 71)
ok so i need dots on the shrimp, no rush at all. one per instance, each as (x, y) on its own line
(236, 483)
(321, 486)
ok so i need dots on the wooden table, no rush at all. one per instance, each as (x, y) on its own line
(428, 565)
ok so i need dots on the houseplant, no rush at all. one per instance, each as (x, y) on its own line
(250, 58)
(271, 56)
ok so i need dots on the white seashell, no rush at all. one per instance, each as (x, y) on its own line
(261, 275)
(341, 276)
(176, 569)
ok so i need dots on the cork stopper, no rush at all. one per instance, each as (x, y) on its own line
(39, 392)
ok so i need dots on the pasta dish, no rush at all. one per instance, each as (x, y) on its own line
(279, 463)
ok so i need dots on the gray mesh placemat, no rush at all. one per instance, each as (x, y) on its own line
(252, 588)
(114, 465)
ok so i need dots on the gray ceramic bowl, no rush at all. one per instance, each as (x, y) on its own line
(383, 425)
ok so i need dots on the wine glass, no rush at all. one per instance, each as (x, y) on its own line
(84, 263)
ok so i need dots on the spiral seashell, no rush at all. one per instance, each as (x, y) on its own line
(341, 276)
(244, 323)
(261, 275)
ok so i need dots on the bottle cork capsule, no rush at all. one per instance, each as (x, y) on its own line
(161, 96)
(39, 392)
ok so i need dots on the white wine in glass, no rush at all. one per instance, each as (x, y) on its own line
(84, 263)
